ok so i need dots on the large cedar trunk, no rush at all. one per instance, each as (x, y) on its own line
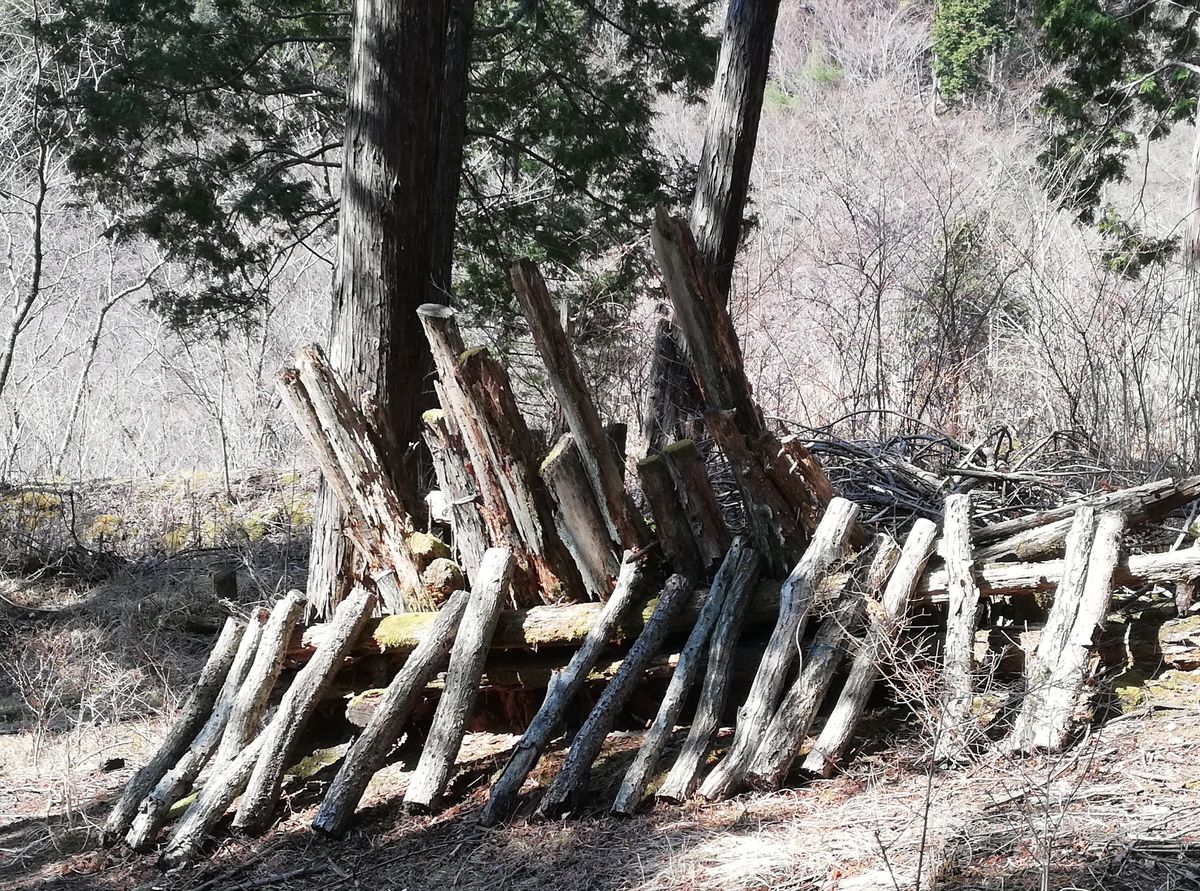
(723, 179)
(386, 243)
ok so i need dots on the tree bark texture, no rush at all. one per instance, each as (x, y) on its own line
(958, 727)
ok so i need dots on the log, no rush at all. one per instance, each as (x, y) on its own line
(375, 495)
(251, 698)
(957, 725)
(370, 750)
(567, 624)
(462, 682)
(450, 467)
(566, 377)
(175, 783)
(633, 786)
(684, 776)
(699, 500)
(563, 688)
(789, 726)
(796, 597)
(279, 738)
(572, 778)
(671, 526)
(582, 522)
(195, 712)
(1055, 676)
(831, 746)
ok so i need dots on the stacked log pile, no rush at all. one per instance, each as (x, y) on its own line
(553, 579)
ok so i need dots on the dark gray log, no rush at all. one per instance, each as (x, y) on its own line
(572, 778)
(671, 526)
(699, 500)
(584, 528)
(488, 591)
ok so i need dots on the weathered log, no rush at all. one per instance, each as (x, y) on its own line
(571, 780)
(370, 750)
(195, 712)
(671, 526)
(155, 808)
(562, 690)
(957, 723)
(262, 788)
(375, 495)
(785, 734)
(835, 737)
(567, 624)
(796, 596)
(584, 527)
(566, 377)
(462, 682)
(450, 466)
(699, 500)
(1056, 674)
(633, 786)
(251, 698)
(684, 776)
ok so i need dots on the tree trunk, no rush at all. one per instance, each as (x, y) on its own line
(389, 176)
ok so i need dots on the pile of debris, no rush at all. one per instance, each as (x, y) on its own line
(554, 581)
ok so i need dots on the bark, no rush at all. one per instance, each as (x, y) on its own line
(562, 690)
(957, 722)
(785, 734)
(1055, 676)
(572, 778)
(633, 786)
(429, 780)
(195, 712)
(671, 526)
(796, 596)
(575, 401)
(389, 178)
(251, 698)
(699, 500)
(450, 464)
(279, 738)
(582, 522)
(154, 810)
(834, 741)
(370, 750)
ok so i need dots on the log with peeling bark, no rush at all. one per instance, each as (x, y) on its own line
(684, 775)
(250, 700)
(279, 738)
(154, 810)
(450, 466)
(196, 712)
(375, 496)
(796, 596)
(831, 746)
(699, 500)
(571, 780)
(671, 526)
(383, 730)
(785, 734)
(633, 786)
(567, 624)
(462, 682)
(1055, 676)
(584, 527)
(957, 723)
(566, 377)
(564, 686)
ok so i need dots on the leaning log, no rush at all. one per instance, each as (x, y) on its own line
(831, 746)
(563, 688)
(583, 524)
(699, 500)
(633, 786)
(566, 377)
(279, 739)
(572, 778)
(488, 591)
(671, 526)
(196, 711)
(827, 547)
(455, 479)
